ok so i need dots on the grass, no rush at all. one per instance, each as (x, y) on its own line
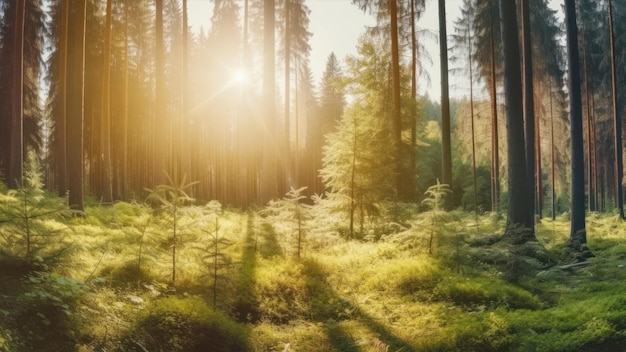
(112, 290)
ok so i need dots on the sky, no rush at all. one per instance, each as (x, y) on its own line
(337, 25)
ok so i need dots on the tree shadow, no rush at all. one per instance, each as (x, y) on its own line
(266, 241)
(246, 301)
(330, 308)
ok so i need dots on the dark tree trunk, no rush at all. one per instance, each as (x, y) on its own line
(529, 111)
(270, 186)
(495, 152)
(617, 123)
(105, 130)
(60, 156)
(577, 234)
(159, 142)
(75, 102)
(401, 173)
(519, 207)
(446, 174)
(16, 157)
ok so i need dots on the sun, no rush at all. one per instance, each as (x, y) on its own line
(240, 76)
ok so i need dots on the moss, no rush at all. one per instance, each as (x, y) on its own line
(186, 324)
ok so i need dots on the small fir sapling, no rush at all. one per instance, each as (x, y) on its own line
(27, 214)
(170, 199)
(436, 218)
(213, 255)
(289, 216)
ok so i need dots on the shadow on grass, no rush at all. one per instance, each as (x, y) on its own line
(269, 245)
(330, 309)
(246, 301)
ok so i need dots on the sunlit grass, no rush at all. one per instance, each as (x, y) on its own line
(341, 295)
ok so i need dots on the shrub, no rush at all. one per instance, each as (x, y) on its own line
(187, 324)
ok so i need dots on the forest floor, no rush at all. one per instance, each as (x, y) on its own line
(412, 284)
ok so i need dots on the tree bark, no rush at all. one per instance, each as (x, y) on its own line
(446, 173)
(105, 129)
(577, 230)
(16, 157)
(270, 186)
(617, 123)
(75, 102)
(529, 110)
(519, 209)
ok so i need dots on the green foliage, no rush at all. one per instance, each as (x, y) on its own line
(435, 220)
(29, 219)
(290, 216)
(43, 317)
(213, 257)
(359, 157)
(185, 325)
(170, 199)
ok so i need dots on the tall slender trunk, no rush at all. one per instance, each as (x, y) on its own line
(552, 158)
(519, 207)
(126, 181)
(446, 173)
(414, 44)
(159, 143)
(495, 152)
(617, 123)
(60, 156)
(270, 186)
(14, 174)
(529, 109)
(471, 82)
(75, 102)
(401, 173)
(577, 230)
(287, 142)
(105, 127)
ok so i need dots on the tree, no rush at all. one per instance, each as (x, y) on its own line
(332, 103)
(75, 98)
(270, 187)
(171, 197)
(105, 138)
(529, 107)
(578, 234)
(518, 205)
(617, 121)
(358, 158)
(446, 174)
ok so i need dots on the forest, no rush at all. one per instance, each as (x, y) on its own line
(167, 189)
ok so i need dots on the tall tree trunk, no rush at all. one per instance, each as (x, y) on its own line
(105, 129)
(529, 110)
(183, 159)
(14, 174)
(287, 174)
(552, 158)
(414, 44)
(159, 143)
(577, 235)
(519, 207)
(126, 180)
(446, 173)
(270, 187)
(75, 101)
(495, 147)
(401, 174)
(617, 123)
(471, 82)
(60, 156)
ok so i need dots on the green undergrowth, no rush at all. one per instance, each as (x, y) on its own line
(112, 289)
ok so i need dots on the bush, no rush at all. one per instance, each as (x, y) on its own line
(481, 291)
(187, 324)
